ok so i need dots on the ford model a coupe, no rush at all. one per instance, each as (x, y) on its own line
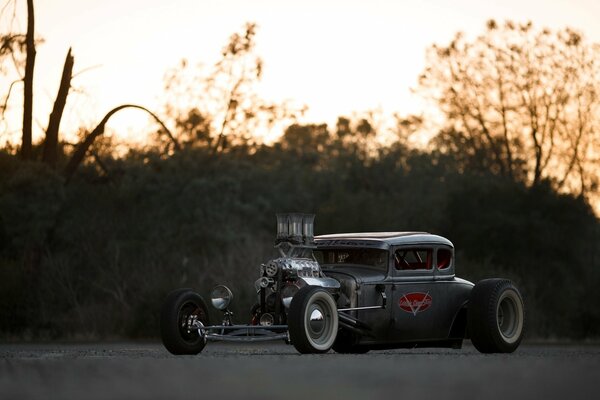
(355, 292)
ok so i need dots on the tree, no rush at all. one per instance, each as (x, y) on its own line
(28, 83)
(220, 107)
(14, 43)
(51, 143)
(19, 48)
(83, 147)
(521, 102)
(301, 138)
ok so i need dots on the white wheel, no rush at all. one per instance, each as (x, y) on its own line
(509, 316)
(313, 320)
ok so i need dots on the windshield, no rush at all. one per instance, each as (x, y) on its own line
(334, 258)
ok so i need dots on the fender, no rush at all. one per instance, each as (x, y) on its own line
(458, 329)
(327, 283)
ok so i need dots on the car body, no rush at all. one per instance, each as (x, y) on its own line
(355, 292)
(427, 302)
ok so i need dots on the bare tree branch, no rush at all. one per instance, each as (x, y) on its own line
(5, 103)
(51, 143)
(83, 147)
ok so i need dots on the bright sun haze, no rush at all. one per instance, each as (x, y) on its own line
(334, 56)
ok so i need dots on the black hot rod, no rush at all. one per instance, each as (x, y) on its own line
(354, 292)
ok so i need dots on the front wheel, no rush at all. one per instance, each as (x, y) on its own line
(313, 320)
(496, 316)
(178, 326)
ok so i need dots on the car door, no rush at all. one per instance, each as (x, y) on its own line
(418, 301)
(453, 292)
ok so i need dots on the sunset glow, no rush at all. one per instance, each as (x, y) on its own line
(336, 57)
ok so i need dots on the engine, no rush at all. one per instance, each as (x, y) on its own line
(281, 278)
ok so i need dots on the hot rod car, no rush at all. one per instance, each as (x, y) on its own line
(352, 293)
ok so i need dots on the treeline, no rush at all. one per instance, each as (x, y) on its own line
(91, 242)
(94, 258)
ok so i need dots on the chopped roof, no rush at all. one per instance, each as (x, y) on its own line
(384, 239)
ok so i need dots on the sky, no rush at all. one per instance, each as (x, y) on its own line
(334, 56)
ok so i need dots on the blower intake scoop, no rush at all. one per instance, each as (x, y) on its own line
(296, 229)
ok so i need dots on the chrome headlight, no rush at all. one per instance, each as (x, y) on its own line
(220, 297)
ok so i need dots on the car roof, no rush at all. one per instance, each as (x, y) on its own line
(380, 239)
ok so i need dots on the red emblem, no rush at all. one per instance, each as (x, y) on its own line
(415, 302)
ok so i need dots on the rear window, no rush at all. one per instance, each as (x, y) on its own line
(413, 259)
(444, 258)
(373, 258)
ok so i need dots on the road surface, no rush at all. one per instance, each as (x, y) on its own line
(276, 371)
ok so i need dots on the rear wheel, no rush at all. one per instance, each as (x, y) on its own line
(313, 320)
(496, 316)
(178, 326)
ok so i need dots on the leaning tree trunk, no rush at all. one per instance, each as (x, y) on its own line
(28, 84)
(51, 143)
(83, 147)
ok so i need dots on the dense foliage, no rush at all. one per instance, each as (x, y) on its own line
(91, 242)
(95, 257)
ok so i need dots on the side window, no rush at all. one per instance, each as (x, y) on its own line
(444, 258)
(413, 259)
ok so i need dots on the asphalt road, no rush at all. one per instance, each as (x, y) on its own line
(276, 371)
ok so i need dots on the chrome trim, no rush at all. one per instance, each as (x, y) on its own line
(411, 280)
(241, 327)
(242, 333)
(362, 308)
(328, 283)
(381, 307)
(265, 338)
